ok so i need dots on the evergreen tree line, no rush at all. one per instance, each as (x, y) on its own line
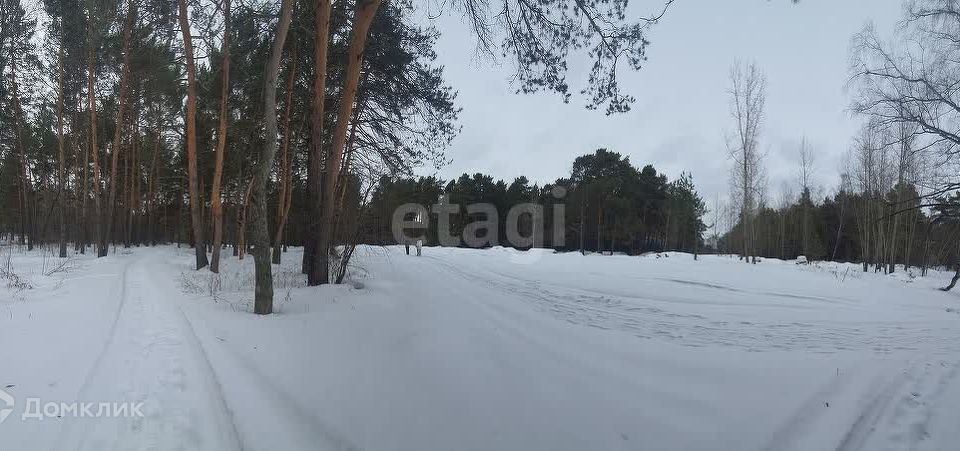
(247, 125)
(605, 205)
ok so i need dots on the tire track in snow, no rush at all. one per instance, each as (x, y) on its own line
(291, 420)
(636, 315)
(804, 422)
(520, 327)
(150, 359)
(939, 412)
(111, 335)
(870, 408)
(906, 421)
(210, 383)
(845, 413)
(213, 383)
(281, 405)
(866, 423)
(83, 393)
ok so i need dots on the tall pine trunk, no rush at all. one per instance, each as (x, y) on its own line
(83, 191)
(107, 236)
(285, 193)
(62, 174)
(315, 157)
(133, 174)
(243, 213)
(363, 17)
(196, 217)
(216, 203)
(26, 198)
(94, 150)
(152, 189)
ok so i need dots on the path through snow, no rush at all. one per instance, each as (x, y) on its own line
(478, 350)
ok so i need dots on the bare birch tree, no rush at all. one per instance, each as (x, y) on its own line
(913, 80)
(747, 97)
(263, 300)
(805, 176)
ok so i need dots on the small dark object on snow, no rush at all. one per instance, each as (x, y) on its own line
(827, 403)
(10, 386)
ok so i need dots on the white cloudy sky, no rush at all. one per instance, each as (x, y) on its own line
(682, 110)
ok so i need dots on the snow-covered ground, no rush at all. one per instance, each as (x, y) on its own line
(478, 350)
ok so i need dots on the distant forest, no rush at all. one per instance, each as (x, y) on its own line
(879, 230)
(608, 205)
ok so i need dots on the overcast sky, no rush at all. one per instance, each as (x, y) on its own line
(682, 111)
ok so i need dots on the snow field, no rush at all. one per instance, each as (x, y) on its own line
(483, 349)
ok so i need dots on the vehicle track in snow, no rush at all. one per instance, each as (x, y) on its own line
(653, 315)
(151, 357)
(859, 409)
(898, 416)
(283, 410)
(111, 335)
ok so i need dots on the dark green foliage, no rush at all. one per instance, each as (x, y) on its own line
(685, 212)
(608, 202)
